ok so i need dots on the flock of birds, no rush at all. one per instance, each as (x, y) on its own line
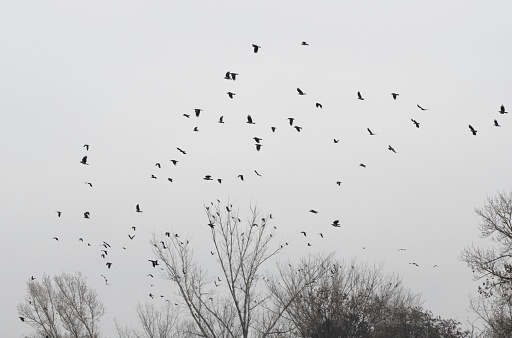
(232, 76)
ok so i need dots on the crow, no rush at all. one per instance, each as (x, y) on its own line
(319, 105)
(197, 111)
(174, 162)
(84, 160)
(336, 223)
(255, 48)
(86, 146)
(221, 119)
(87, 214)
(416, 123)
(153, 262)
(108, 265)
(473, 130)
(258, 146)
(131, 236)
(496, 124)
(231, 94)
(158, 165)
(181, 151)
(304, 233)
(300, 92)
(391, 148)
(137, 208)
(421, 107)
(359, 96)
(502, 110)
(371, 133)
(395, 95)
(249, 119)
(58, 213)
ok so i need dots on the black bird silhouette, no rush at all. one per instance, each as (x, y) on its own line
(391, 148)
(153, 176)
(502, 110)
(158, 165)
(84, 160)
(174, 162)
(58, 213)
(304, 233)
(89, 184)
(421, 107)
(371, 133)
(298, 128)
(131, 236)
(227, 76)
(473, 130)
(108, 265)
(233, 76)
(290, 120)
(309, 244)
(338, 183)
(22, 318)
(496, 124)
(336, 223)
(395, 95)
(211, 225)
(231, 94)
(208, 178)
(249, 119)
(416, 123)
(255, 48)
(258, 146)
(257, 139)
(362, 165)
(55, 238)
(313, 211)
(304, 43)
(359, 96)
(414, 264)
(187, 116)
(133, 228)
(321, 235)
(196, 129)
(150, 275)
(153, 262)
(300, 92)
(137, 208)
(181, 151)
(319, 105)
(219, 180)
(273, 129)
(221, 119)
(241, 177)
(87, 214)
(336, 141)
(197, 111)
(257, 173)
(86, 146)
(80, 239)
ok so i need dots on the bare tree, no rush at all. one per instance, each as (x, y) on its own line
(65, 308)
(248, 305)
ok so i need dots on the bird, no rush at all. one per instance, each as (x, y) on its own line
(153, 262)
(435, 266)
(181, 151)
(336, 140)
(371, 133)
(55, 238)
(304, 43)
(197, 111)
(87, 214)
(395, 95)
(416, 123)
(473, 130)
(421, 107)
(313, 211)
(137, 208)
(86, 146)
(359, 96)
(131, 236)
(196, 129)
(257, 139)
(298, 128)
(133, 228)
(153, 176)
(414, 264)
(391, 148)
(108, 265)
(258, 146)
(22, 318)
(241, 177)
(150, 275)
(300, 92)
(257, 173)
(318, 105)
(158, 165)
(256, 48)
(290, 120)
(58, 213)
(151, 295)
(321, 235)
(174, 162)
(84, 160)
(336, 223)
(338, 183)
(228, 75)
(233, 76)
(309, 244)
(502, 110)
(249, 119)
(221, 119)
(231, 94)
(496, 124)
(273, 129)
(402, 249)
(187, 116)
(211, 225)
(207, 178)
(304, 233)
(219, 180)
(362, 165)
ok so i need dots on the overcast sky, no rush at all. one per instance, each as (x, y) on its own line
(119, 75)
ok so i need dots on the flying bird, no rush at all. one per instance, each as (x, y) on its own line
(137, 208)
(391, 148)
(298, 128)
(249, 119)
(86, 146)
(496, 124)
(231, 94)
(290, 120)
(300, 92)
(55, 238)
(336, 140)
(336, 223)
(153, 262)
(131, 236)
(208, 178)
(304, 43)
(257, 173)
(87, 214)
(359, 96)
(273, 129)
(233, 76)
(414, 264)
(181, 151)
(196, 129)
(255, 48)
(321, 235)
(362, 165)
(258, 146)
(241, 177)
(304, 233)
(257, 139)
(197, 111)
(473, 130)
(338, 183)
(219, 180)
(22, 318)
(319, 105)
(313, 211)
(174, 162)
(108, 265)
(153, 176)
(416, 123)
(158, 165)
(502, 110)
(58, 213)
(221, 119)
(227, 76)
(187, 116)
(421, 107)
(84, 160)
(395, 95)
(371, 133)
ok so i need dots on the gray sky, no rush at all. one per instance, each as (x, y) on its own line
(119, 75)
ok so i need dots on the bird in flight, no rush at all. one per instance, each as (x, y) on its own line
(421, 107)
(131, 236)
(108, 265)
(174, 162)
(496, 124)
(89, 184)
(208, 178)
(473, 130)
(391, 148)
(230, 76)
(55, 238)
(290, 120)
(336, 223)
(58, 213)
(84, 160)
(338, 183)
(304, 233)
(241, 177)
(197, 111)
(137, 208)
(187, 116)
(502, 110)
(395, 95)
(249, 119)
(22, 318)
(336, 140)
(257, 173)
(86, 146)
(153, 262)
(158, 165)
(273, 129)
(414, 264)
(359, 96)
(181, 151)
(313, 211)
(300, 91)
(304, 43)
(371, 133)
(231, 94)
(257, 139)
(255, 48)
(416, 123)
(297, 128)
(319, 105)
(258, 146)
(221, 119)
(87, 214)
(362, 165)
(321, 235)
